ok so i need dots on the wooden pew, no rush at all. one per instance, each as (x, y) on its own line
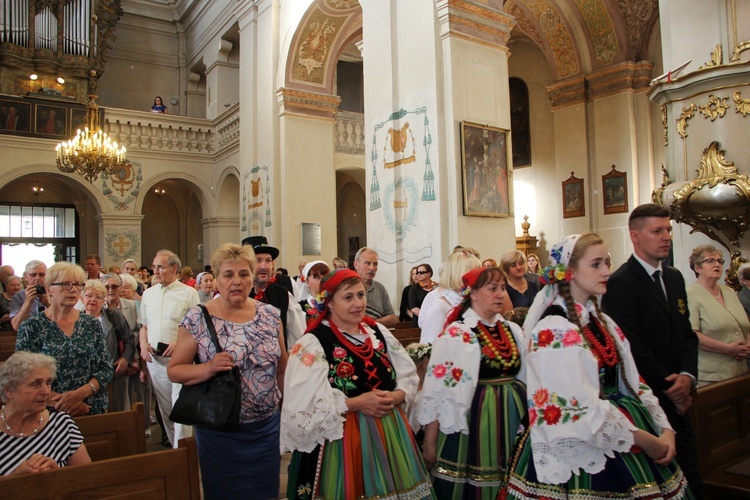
(113, 435)
(7, 345)
(403, 325)
(407, 335)
(171, 475)
(721, 421)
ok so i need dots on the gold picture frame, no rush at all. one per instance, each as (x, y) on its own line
(486, 170)
(573, 198)
(615, 192)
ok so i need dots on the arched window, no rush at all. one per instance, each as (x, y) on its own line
(520, 124)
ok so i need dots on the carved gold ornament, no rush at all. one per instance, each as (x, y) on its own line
(738, 50)
(743, 105)
(687, 113)
(717, 57)
(715, 108)
(665, 124)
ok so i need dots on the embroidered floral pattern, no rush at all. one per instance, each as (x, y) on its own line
(341, 372)
(455, 331)
(451, 375)
(556, 339)
(552, 409)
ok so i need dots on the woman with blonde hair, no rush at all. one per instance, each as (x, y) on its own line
(76, 342)
(594, 431)
(718, 319)
(520, 291)
(438, 303)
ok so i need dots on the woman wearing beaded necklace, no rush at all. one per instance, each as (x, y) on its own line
(345, 387)
(473, 398)
(593, 431)
(32, 437)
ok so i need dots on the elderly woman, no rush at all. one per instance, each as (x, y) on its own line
(520, 291)
(12, 287)
(343, 415)
(75, 340)
(718, 319)
(205, 285)
(743, 275)
(473, 398)
(118, 334)
(594, 431)
(130, 267)
(438, 303)
(34, 438)
(422, 286)
(242, 462)
(313, 272)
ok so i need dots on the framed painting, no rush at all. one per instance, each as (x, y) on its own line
(486, 170)
(15, 116)
(78, 120)
(51, 120)
(615, 192)
(574, 202)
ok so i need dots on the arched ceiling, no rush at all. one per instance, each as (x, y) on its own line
(579, 36)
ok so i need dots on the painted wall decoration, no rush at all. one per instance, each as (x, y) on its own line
(315, 43)
(556, 33)
(600, 28)
(404, 167)
(122, 188)
(121, 243)
(256, 201)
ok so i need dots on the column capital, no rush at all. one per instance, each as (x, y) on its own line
(621, 77)
(568, 92)
(293, 101)
(482, 22)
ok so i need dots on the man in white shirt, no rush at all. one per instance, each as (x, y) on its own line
(163, 306)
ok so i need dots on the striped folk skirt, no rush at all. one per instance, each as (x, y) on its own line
(376, 458)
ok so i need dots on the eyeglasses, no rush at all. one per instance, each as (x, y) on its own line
(67, 285)
(422, 272)
(111, 287)
(711, 260)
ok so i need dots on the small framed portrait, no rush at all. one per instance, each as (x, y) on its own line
(486, 170)
(78, 119)
(51, 120)
(574, 201)
(15, 116)
(615, 192)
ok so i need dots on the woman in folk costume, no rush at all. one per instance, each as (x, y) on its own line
(346, 384)
(472, 398)
(594, 431)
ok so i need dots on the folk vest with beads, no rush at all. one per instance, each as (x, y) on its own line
(350, 373)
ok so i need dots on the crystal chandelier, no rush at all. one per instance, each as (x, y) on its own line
(91, 152)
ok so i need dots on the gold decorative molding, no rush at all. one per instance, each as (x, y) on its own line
(620, 77)
(568, 92)
(682, 121)
(716, 107)
(738, 50)
(664, 123)
(717, 58)
(307, 103)
(742, 105)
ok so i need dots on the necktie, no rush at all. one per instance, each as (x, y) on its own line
(657, 280)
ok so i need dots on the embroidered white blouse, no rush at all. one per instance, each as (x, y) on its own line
(571, 427)
(312, 412)
(453, 373)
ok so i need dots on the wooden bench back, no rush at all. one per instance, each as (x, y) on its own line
(407, 335)
(7, 345)
(721, 420)
(113, 435)
(171, 475)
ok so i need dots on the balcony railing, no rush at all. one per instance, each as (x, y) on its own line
(349, 133)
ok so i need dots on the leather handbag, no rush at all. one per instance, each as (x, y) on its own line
(214, 403)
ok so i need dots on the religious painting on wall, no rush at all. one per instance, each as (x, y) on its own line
(51, 120)
(14, 116)
(520, 123)
(615, 192)
(485, 170)
(574, 204)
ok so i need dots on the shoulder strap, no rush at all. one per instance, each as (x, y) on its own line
(211, 329)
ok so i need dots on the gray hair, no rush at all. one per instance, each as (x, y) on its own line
(699, 253)
(130, 260)
(13, 277)
(128, 279)
(363, 250)
(172, 258)
(95, 285)
(32, 264)
(18, 367)
(112, 276)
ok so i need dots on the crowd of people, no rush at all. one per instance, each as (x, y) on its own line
(534, 382)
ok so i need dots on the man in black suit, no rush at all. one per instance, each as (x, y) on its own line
(648, 301)
(268, 289)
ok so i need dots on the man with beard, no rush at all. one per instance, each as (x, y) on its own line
(266, 289)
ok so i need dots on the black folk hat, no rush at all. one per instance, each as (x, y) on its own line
(260, 245)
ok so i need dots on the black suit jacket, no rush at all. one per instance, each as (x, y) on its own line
(660, 335)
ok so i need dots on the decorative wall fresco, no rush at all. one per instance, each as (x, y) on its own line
(122, 243)
(315, 43)
(600, 29)
(557, 35)
(256, 201)
(122, 188)
(405, 169)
